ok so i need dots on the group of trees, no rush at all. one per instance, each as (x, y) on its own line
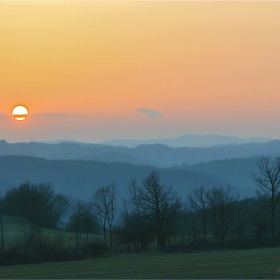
(38, 203)
(96, 215)
(82, 220)
(214, 208)
(153, 211)
(220, 210)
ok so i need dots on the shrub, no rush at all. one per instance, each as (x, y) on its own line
(96, 249)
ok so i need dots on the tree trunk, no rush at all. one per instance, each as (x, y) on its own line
(104, 235)
(2, 234)
(77, 239)
(272, 223)
(204, 227)
(111, 239)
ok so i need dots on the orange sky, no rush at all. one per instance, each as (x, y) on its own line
(85, 69)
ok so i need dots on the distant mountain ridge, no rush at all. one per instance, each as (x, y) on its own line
(188, 141)
(158, 155)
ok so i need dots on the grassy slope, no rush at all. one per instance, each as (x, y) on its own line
(259, 263)
(14, 228)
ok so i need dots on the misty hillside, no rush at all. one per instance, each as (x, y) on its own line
(155, 155)
(237, 171)
(80, 178)
(188, 141)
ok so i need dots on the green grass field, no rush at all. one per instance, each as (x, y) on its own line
(258, 263)
(14, 228)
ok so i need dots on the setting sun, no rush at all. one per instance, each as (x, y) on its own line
(20, 113)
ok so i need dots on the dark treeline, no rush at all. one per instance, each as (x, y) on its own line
(38, 203)
(211, 217)
(153, 214)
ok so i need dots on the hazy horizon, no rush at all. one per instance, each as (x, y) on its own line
(187, 140)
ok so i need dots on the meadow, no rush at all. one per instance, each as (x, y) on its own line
(16, 230)
(256, 264)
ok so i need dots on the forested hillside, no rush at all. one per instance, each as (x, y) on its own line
(237, 171)
(81, 178)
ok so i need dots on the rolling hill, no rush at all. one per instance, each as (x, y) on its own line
(237, 171)
(79, 179)
(154, 155)
(188, 141)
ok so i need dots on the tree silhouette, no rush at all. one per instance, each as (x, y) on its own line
(104, 206)
(269, 186)
(160, 205)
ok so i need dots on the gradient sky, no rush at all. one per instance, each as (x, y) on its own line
(96, 71)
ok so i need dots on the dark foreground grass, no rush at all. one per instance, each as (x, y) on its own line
(258, 263)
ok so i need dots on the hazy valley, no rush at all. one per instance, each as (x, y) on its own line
(77, 169)
(50, 188)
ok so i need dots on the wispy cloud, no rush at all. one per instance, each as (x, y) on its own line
(50, 115)
(151, 113)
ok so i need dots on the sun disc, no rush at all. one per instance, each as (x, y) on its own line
(20, 113)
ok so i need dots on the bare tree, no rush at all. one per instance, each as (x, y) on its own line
(1, 224)
(104, 206)
(192, 222)
(33, 235)
(60, 205)
(89, 221)
(241, 221)
(76, 220)
(2, 231)
(133, 192)
(152, 210)
(100, 208)
(112, 210)
(160, 205)
(198, 203)
(134, 228)
(82, 220)
(221, 210)
(269, 185)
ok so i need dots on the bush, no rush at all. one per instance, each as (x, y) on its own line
(193, 246)
(96, 249)
(41, 251)
(10, 257)
(248, 242)
(40, 254)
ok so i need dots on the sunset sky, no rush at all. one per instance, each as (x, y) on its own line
(95, 71)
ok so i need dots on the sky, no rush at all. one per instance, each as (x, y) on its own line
(100, 70)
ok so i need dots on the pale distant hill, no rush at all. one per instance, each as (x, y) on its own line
(154, 155)
(188, 141)
(61, 141)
